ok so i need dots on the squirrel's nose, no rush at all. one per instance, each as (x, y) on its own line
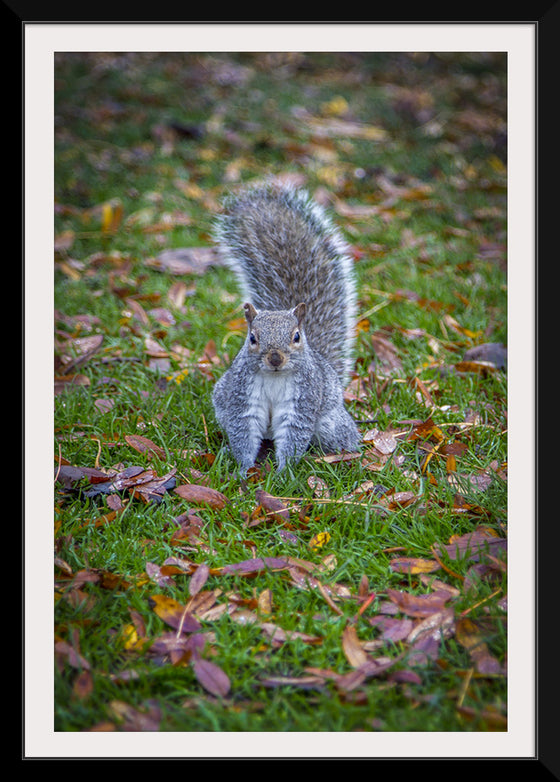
(275, 358)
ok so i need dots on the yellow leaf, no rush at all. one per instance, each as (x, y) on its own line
(335, 107)
(130, 638)
(319, 539)
(111, 215)
(264, 601)
(413, 565)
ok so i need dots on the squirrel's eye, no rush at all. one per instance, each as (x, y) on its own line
(296, 336)
(252, 339)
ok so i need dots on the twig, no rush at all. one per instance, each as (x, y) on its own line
(442, 565)
(98, 441)
(465, 687)
(59, 463)
(480, 602)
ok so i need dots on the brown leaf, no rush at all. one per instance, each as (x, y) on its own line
(198, 579)
(399, 499)
(251, 566)
(177, 294)
(273, 506)
(473, 545)
(384, 442)
(83, 685)
(178, 648)
(202, 495)
(174, 614)
(426, 636)
(301, 682)
(413, 565)
(83, 348)
(352, 647)
(264, 602)
(104, 405)
(319, 487)
(134, 719)
(422, 605)
(65, 652)
(155, 487)
(392, 628)
(493, 719)
(64, 381)
(163, 316)
(144, 445)
(154, 572)
(425, 430)
(211, 677)
(386, 354)
(279, 636)
(471, 637)
(185, 260)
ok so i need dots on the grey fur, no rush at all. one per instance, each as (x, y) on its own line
(286, 381)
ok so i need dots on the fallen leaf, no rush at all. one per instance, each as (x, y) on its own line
(278, 636)
(384, 442)
(185, 260)
(413, 565)
(493, 719)
(473, 545)
(202, 495)
(211, 677)
(144, 445)
(425, 638)
(301, 682)
(319, 540)
(386, 354)
(274, 507)
(251, 566)
(422, 605)
(352, 647)
(174, 614)
(135, 719)
(154, 572)
(81, 350)
(318, 486)
(83, 685)
(471, 637)
(198, 579)
(392, 628)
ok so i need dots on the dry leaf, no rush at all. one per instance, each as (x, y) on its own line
(413, 565)
(144, 445)
(352, 647)
(211, 677)
(251, 566)
(174, 614)
(319, 539)
(419, 605)
(202, 495)
(471, 637)
(198, 579)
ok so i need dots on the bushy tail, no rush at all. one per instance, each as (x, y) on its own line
(284, 249)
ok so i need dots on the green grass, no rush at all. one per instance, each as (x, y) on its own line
(427, 262)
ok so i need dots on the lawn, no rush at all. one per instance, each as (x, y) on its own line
(366, 592)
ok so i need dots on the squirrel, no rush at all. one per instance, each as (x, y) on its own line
(286, 383)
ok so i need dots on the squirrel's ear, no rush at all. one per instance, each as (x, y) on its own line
(299, 311)
(250, 312)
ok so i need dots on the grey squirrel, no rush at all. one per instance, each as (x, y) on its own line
(286, 382)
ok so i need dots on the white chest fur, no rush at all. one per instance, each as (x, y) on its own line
(271, 401)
